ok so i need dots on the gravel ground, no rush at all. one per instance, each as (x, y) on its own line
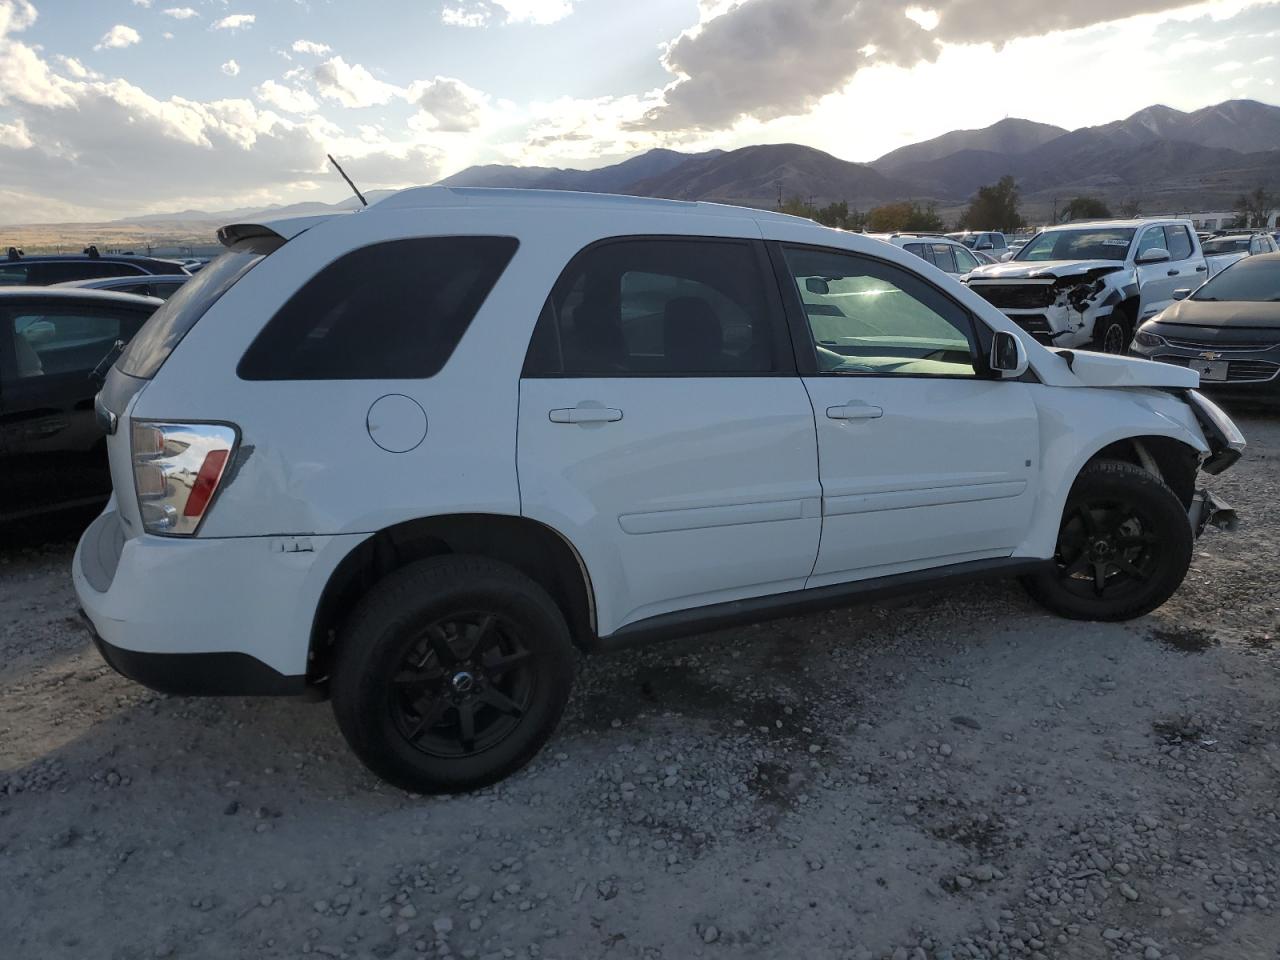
(956, 776)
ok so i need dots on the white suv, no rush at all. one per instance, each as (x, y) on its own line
(413, 456)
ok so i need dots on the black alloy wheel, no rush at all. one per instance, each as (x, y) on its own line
(451, 673)
(1124, 546)
(463, 685)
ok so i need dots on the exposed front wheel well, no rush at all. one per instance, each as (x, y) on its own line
(1173, 461)
(530, 547)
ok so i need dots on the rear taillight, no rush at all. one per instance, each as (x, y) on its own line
(177, 468)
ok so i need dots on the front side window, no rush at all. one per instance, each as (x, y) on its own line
(54, 339)
(659, 307)
(1099, 243)
(1152, 238)
(965, 261)
(867, 317)
(389, 311)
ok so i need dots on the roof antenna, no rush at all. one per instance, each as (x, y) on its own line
(356, 189)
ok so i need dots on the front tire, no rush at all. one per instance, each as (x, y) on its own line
(1113, 333)
(451, 674)
(1124, 546)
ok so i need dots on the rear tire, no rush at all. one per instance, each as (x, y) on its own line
(451, 674)
(1113, 333)
(1123, 548)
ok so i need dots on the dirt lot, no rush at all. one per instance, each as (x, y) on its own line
(957, 776)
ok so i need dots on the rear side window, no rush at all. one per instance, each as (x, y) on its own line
(168, 325)
(1179, 242)
(659, 307)
(389, 311)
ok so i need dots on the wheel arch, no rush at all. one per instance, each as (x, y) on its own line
(542, 553)
(1174, 453)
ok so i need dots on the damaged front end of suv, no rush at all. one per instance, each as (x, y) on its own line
(1063, 305)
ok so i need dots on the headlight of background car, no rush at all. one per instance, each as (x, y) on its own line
(1145, 338)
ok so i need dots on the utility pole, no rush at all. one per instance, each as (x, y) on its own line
(778, 184)
(1055, 209)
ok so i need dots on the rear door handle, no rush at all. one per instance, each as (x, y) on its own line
(1174, 273)
(1201, 269)
(855, 410)
(585, 415)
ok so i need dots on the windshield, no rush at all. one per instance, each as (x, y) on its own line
(1253, 280)
(1226, 245)
(168, 325)
(1097, 243)
(970, 240)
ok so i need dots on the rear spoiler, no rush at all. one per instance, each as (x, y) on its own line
(272, 231)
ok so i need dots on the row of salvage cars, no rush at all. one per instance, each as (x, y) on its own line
(62, 321)
(1146, 286)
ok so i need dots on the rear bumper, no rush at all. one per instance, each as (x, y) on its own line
(204, 615)
(198, 674)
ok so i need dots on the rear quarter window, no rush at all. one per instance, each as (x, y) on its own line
(389, 311)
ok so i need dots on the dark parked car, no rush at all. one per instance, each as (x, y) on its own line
(52, 341)
(163, 287)
(1228, 330)
(39, 271)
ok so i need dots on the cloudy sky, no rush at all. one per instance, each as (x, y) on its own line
(115, 107)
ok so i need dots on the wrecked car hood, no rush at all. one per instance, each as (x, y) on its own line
(1045, 269)
(1108, 370)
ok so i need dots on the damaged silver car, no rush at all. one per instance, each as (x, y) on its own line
(1089, 285)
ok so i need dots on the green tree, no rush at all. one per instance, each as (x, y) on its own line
(1253, 209)
(836, 214)
(994, 207)
(905, 216)
(1085, 208)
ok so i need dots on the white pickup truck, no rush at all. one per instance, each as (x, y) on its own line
(1090, 284)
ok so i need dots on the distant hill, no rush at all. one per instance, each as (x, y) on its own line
(615, 178)
(1007, 136)
(752, 176)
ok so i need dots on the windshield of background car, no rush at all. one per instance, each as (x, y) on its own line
(1254, 280)
(155, 341)
(1102, 243)
(1226, 246)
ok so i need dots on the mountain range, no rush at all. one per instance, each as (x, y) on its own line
(1159, 158)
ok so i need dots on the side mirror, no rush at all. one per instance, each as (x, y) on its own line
(1181, 294)
(817, 285)
(1154, 255)
(1008, 355)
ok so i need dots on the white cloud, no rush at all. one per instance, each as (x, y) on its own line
(74, 67)
(446, 104)
(236, 21)
(479, 13)
(180, 13)
(117, 37)
(767, 59)
(167, 35)
(310, 46)
(1228, 66)
(231, 68)
(142, 3)
(351, 85)
(288, 99)
(15, 135)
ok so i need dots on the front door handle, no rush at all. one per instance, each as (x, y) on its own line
(585, 415)
(1174, 273)
(1201, 269)
(855, 410)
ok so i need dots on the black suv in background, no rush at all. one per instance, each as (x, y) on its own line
(52, 340)
(40, 271)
